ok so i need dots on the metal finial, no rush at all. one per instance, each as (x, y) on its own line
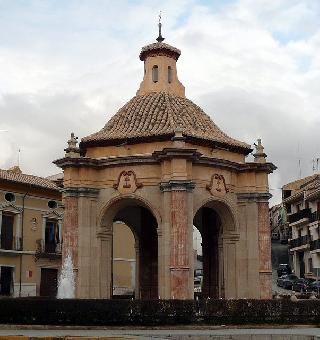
(160, 37)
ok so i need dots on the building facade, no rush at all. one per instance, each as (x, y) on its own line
(30, 234)
(301, 199)
(162, 166)
(279, 226)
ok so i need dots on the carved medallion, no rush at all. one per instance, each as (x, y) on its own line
(127, 182)
(217, 185)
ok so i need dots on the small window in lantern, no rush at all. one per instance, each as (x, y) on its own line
(169, 74)
(155, 73)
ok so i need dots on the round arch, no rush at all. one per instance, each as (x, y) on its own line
(111, 208)
(226, 212)
(215, 220)
(142, 219)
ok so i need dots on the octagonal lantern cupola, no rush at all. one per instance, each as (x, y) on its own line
(160, 69)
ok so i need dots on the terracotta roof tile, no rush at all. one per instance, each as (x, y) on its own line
(161, 114)
(16, 177)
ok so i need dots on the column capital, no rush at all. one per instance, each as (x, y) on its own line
(104, 233)
(177, 185)
(231, 237)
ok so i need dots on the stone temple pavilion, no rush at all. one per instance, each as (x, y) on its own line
(161, 166)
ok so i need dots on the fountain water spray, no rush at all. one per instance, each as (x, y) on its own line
(66, 284)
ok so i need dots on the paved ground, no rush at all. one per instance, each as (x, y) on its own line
(162, 333)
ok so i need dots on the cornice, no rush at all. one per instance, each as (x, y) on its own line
(80, 192)
(167, 153)
(240, 167)
(254, 196)
(170, 153)
(103, 162)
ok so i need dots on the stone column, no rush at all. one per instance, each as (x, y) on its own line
(164, 249)
(137, 272)
(18, 231)
(255, 231)
(180, 232)
(70, 225)
(43, 233)
(104, 258)
(265, 270)
(230, 265)
(221, 269)
(0, 227)
(60, 230)
(79, 238)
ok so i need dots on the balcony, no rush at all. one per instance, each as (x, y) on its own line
(300, 215)
(10, 245)
(314, 245)
(315, 216)
(48, 250)
(299, 242)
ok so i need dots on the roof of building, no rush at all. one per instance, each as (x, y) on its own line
(159, 114)
(15, 175)
(55, 177)
(303, 188)
(296, 185)
(159, 48)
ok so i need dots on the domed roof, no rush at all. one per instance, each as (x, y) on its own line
(158, 116)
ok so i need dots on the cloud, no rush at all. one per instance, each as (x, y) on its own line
(254, 66)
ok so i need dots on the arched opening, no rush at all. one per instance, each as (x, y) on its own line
(123, 261)
(155, 73)
(139, 231)
(215, 222)
(208, 223)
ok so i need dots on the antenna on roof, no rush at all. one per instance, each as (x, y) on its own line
(299, 162)
(160, 37)
(315, 164)
(19, 150)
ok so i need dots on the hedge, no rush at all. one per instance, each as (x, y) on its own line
(99, 312)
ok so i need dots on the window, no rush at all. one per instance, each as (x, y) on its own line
(286, 193)
(155, 73)
(310, 265)
(51, 237)
(9, 197)
(6, 281)
(52, 204)
(288, 208)
(7, 232)
(169, 74)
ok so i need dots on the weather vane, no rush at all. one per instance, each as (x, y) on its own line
(160, 37)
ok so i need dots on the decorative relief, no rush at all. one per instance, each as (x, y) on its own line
(217, 185)
(127, 182)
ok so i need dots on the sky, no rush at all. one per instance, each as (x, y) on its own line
(69, 65)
